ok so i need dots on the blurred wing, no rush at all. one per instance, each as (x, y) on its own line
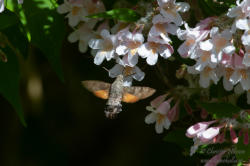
(98, 88)
(135, 93)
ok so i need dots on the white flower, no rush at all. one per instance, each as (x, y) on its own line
(170, 9)
(206, 75)
(1, 6)
(192, 37)
(221, 43)
(105, 45)
(129, 73)
(150, 50)
(83, 34)
(130, 42)
(158, 115)
(245, 38)
(92, 7)
(193, 130)
(240, 12)
(75, 9)
(242, 76)
(227, 73)
(204, 56)
(160, 29)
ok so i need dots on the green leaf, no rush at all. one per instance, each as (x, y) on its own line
(122, 14)
(212, 8)
(47, 30)
(242, 151)
(220, 110)
(14, 32)
(178, 137)
(7, 19)
(9, 87)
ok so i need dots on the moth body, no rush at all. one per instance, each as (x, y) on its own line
(113, 105)
(116, 93)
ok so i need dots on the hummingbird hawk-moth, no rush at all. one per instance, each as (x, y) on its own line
(115, 93)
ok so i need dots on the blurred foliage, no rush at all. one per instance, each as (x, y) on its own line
(220, 110)
(123, 14)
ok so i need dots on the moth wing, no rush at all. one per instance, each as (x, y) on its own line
(135, 93)
(98, 88)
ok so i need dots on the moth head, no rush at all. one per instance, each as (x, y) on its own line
(112, 111)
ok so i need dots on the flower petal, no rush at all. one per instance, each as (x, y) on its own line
(152, 58)
(150, 118)
(139, 75)
(121, 50)
(159, 128)
(99, 58)
(96, 43)
(163, 108)
(116, 70)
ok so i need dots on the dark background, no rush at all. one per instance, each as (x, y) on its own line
(66, 123)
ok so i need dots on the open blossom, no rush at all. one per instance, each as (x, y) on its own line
(240, 12)
(240, 73)
(206, 75)
(78, 10)
(75, 9)
(161, 113)
(192, 131)
(129, 73)
(105, 45)
(161, 28)
(83, 34)
(130, 42)
(192, 37)
(151, 50)
(170, 9)
(158, 114)
(221, 43)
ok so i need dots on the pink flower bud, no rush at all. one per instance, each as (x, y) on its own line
(163, 108)
(219, 138)
(197, 128)
(233, 135)
(204, 113)
(173, 114)
(216, 159)
(188, 108)
(246, 138)
(240, 132)
(158, 100)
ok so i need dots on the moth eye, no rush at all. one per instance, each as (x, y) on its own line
(111, 112)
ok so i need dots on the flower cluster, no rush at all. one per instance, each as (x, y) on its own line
(221, 48)
(125, 44)
(204, 133)
(77, 10)
(2, 4)
(162, 114)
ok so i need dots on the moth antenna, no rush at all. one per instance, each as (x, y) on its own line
(105, 69)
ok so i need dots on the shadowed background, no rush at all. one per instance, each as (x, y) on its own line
(66, 123)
